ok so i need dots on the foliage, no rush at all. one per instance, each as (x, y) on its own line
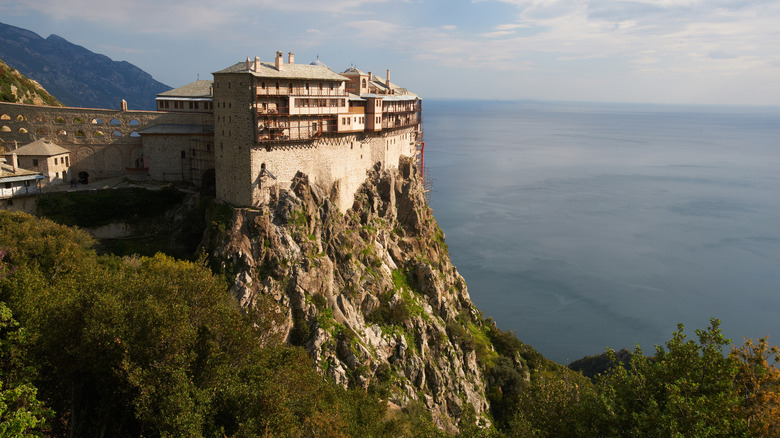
(686, 390)
(758, 385)
(152, 346)
(21, 413)
(9, 77)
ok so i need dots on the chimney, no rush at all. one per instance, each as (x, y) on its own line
(370, 76)
(248, 64)
(279, 61)
(13, 161)
(123, 105)
(257, 63)
(291, 58)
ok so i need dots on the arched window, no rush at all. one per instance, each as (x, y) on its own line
(62, 132)
(99, 134)
(22, 131)
(134, 122)
(115, 122)
(21, 118)
(5, 117)
(59, 120)
(42, 131)
(40, 118)
(97, 122)
(134, 134)
(364, 83)
(116, 134)
(80, 133)
(5, 129)
(78, 120)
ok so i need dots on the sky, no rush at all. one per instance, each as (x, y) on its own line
(651, 51)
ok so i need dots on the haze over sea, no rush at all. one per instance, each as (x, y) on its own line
(585, 226)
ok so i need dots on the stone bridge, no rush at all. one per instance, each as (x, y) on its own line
(102, 142)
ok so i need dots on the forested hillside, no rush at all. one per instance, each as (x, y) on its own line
(102, 345)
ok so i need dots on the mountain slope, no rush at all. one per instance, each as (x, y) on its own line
(16, 88)
(77, 76)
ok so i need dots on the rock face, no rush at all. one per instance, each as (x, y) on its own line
(371, 294)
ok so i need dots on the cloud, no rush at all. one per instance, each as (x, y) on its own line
(176, 16)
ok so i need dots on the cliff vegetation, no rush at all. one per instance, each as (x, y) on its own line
(298, 320)
(16, 88)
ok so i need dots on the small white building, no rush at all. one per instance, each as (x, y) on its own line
(44, 157)
(15, 181)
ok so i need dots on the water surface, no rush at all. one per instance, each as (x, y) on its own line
(585, 226)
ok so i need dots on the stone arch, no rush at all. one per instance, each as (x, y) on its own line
(98, 134)
(5, 117)
(22, 130)
(115, 122)
(5, 129)
(135, 134)
(59, 120)
(116, 134)
(42, 131)
(40, 118)
(97, 121)
(80, 133)
(21, 118)
(62, 132)
(134, 122)
(136, 157)
(78, 121)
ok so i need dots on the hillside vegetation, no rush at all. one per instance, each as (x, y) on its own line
(16, 88)
(295, 325)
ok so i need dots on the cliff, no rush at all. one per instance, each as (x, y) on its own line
(371, 294)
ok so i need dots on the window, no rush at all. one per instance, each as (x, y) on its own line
(35, 162)
(55, 161)
(67, 161)
(191, 105)
(183, 154)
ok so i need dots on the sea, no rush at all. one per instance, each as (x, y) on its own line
(586, 226)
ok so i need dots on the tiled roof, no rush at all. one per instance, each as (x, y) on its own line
(7, 173)
(40, 148)
(200, 88)
(353, 71)
(288, 71)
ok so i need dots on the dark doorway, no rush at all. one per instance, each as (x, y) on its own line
(208, 183)
(83, 177)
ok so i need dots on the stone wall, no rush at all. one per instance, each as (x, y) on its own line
(341, 162)
(102, 142)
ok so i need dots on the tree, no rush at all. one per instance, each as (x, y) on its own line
(686, 390)
(21, 413)
(758, 384)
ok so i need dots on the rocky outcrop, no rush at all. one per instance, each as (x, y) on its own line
(371, 294)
